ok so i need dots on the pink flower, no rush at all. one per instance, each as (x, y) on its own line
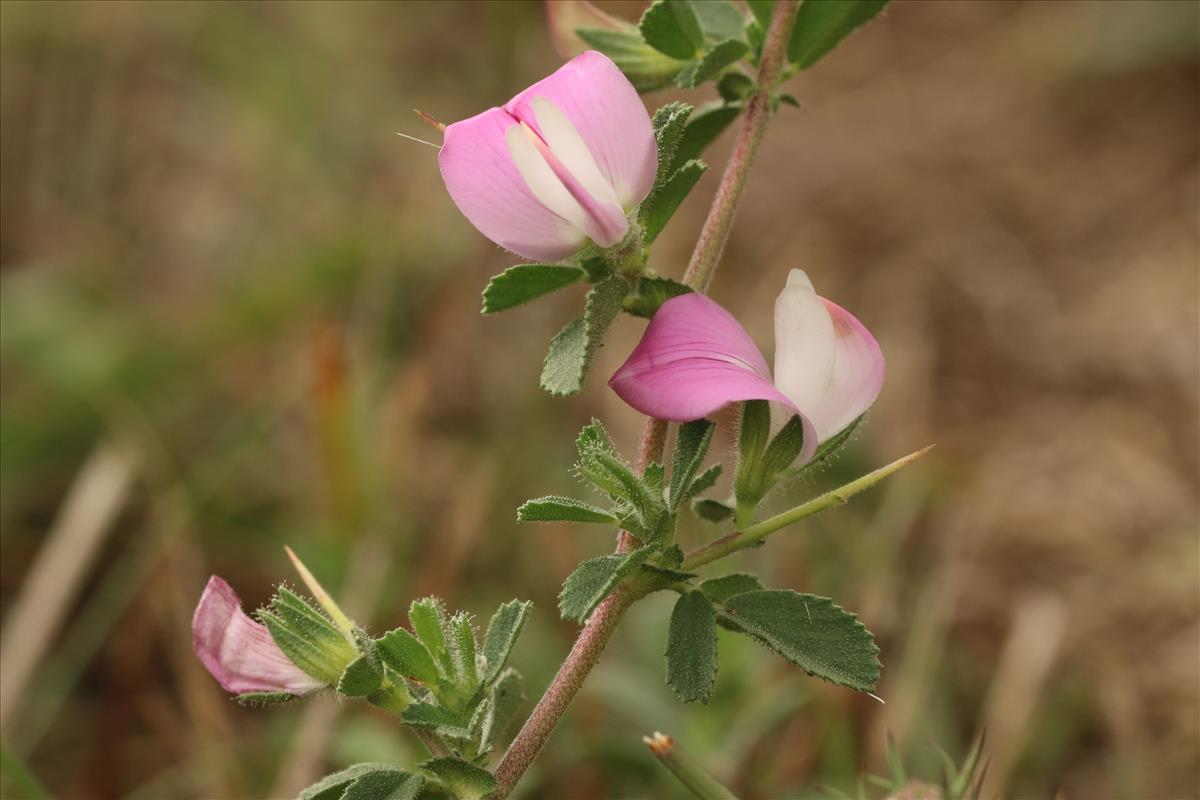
(695, 358)
(560, 163)
(238, 651)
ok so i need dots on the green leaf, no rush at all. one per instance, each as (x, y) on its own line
(783, 449)
(572, 349)
(525, 282)
(508, 692)
(360, 678)
(831, 446)
(761, 9)
(652, 291)
(463, 650)
(594, 580)
(307, 637)
(562, 509)
(391, 784)
(719, 19)
(501, 635)
(427, 715)
(702, 483)
(704, 126)
(614, 477)
(691, 446)
(594, 438)
(463, 779)
(405, 654)
(821, 25)
(735, 86)
(646, 68)
(265, 698)
(692, 648)
(659, 207)
(669, 123)
(404, 785)
(428, 620)
(671, 27)
(726, 586)
(754, 431)
(712, 510)
(811, 632)
(715, 59)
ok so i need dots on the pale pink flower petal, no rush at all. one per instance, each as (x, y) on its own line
(826, 361)
(238, 651)
(484, 182)
(693, 359)
(606, 110)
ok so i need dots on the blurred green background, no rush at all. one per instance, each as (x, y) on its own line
(238, 311)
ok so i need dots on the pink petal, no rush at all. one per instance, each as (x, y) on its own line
(484, 183)
(693, 359)
(608, 113)
(238, 651)
(826, 361)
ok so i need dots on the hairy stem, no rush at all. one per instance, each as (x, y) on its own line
(579, 662)
(715, 232)
(600, 626)
(753, 534)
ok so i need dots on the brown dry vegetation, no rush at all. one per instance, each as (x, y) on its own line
(239, 312)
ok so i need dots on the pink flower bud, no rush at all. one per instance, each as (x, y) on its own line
(560, 163)
(238, 651)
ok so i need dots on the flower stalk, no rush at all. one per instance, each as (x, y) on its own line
(603, 622)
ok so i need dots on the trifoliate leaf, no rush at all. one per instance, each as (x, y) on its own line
(691, 446)
(646, 68)
(360, 678)
(692, 648)
(405, 654)
(525, 282)
(501, 635)
(594, 580)
(562, 509)
(571, 351)
(712, 510)
(715, 59)
(659, 207)
(652, 291)
(464, 780)
(669, 123)
(820, 26)
(704, 126)
(671, 27)
(811, 632)
(427, 715)
(726, 586)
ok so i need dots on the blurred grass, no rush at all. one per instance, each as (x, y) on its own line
(213, 245)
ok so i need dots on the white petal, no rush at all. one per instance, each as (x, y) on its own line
(540, 177)
(804, 346)
(568, 146)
